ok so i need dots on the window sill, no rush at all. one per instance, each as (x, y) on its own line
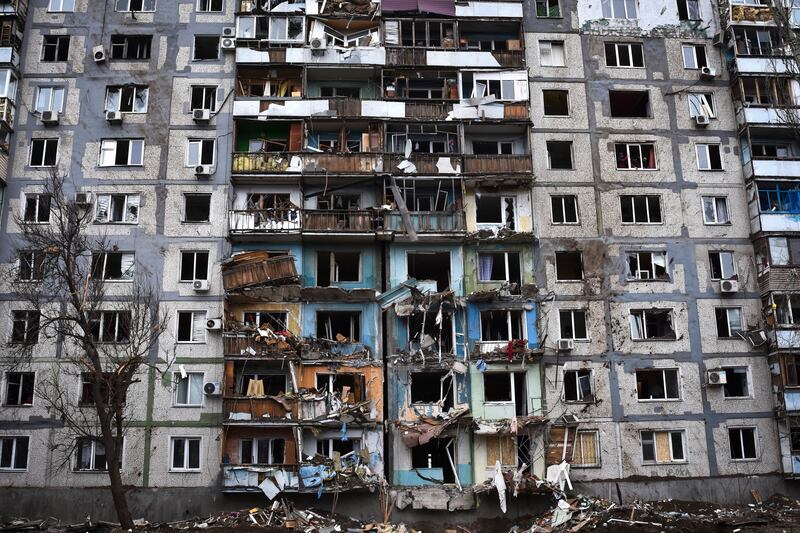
(186, 471)
(13, 470)
(746, 460)
(565, 223)
(649, 280)
(579, 402)
(11, 405)
(91, 471)
(637, 169)
(717, 223)
(736, 397)
(190, 342)
(665, 463)
(503, 403)
(573, 465)
(569, 280)
(659, 400)
(671, 339)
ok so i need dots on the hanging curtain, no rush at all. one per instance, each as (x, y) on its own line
(132, 208)
(485, 264)
(198, 326)
(103, 202)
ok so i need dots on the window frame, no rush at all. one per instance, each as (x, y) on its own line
(126, 276)
(53, 89)
(205, 89)
(694, 47)
(628, 146)
(206, 36)
(572, 312)
(127, 204)
(34, 261)
(716, 210)
(193, 312)
(128, 6)
(209, 2)
(102, 316)
(202, 143)
(39, 208)
(612, 12)
(60, 9)
(509, 324)
(740, 430)
(548, 6)
(596, 433)
(582, 399)
(647, 197)
(45, 142)
(254, 450)
(187, 439)
(14, 449)
(549, 45)
(735, 273)
(57, 42)
(688, 11)
(183, 215)
(644, 336)
(663, 372)
(120, 89)
(194, 254)
(669, 432)
(561, 198)
(555, 265)
(105, 148)
(550, 166)
(32, 320)
(126, 46)
(177, 379)
(630, 47)
(95, 441)
(747, 379)
(706, 147)
(636, 276)
(731, 332)
(21, 389)
(699, 103)
(506, 261)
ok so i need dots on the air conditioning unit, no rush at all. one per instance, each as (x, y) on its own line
(227, 44)
(201, 115)
(565, 345)
(49, 118)
(718, 39)
(212, 388)
(229, 31)
(83, 198)
(728, 286)
(701, 121)
(318, 43)
(214, 324)
(203, 171)
(114, 117)
(99, 54)
(708, 73)
(717, 377)
(201, 285)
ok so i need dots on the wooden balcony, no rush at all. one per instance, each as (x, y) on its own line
(260, 409)
(511, 164)
(427, 222)
(428, 110)
(7, 111)
(779, 279)
(257, 268)
(249, 344)
(510, 58)
(338, 220)
(425, 163)
(516, 111)
(345, 107)
(406, 56)
(306, 162)
(264, 221)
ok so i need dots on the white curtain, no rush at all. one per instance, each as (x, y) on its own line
(199, 326)
(132, 208)
(485, 264)
(103, 201)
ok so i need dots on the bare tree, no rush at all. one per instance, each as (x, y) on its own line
(784, 50)
(107, 332)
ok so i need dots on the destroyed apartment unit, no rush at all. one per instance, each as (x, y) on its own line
(765, 93)
(13, 15)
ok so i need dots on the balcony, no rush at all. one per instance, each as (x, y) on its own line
(762, 65)
(247, 478)
(756, 14)
(791, 399)
(424, 163)
(506, 164)
(409, 56)
(257, 268)
(14, 7)
(426, 222)
(779, 279)
(757, 115)
(249, 344)
(305, 162)
(7, 111)
(264, 221)
(785, 337)
(338, 220)
(773, 168)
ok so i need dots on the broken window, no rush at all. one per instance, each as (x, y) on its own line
(132, 47)
(14, 453)
(37, 208)
(189, 389)
(791, 370)
(709, 156)
(501, 325)
(194, 266)
(121, 152)
(87, 380)
(425, 33)
(736, 382)
(334, 91)
(551, 54)
(556, 102)
(647, 266)
(501, 448)
(787, 309)
(91, 454)
(206, 47)
(578, 385)
(25, 327)
(506, 387)
(209, 6)
(663, 446)
(569, 266)
(729, 322)
(771, 151)
(492, 148)
(19, 388)
(660, 384)
(694, 56)
(586, 449)
(184, 453)
(689, 9)
(722, 265)
(701, 104)
(55, 48)
(203, 97)
(433, 266)
(135, 5)
(432, 388)
(564, 209)
(715, 210)
(274, 320)
(337, 267)
(640, 208)
(629, 104)
(127, 98)
(330, 447)
(499, 266)
(629, 55)
(110, 326)
(339, 326)
(196, 208)
(191, 326)
(559, 155)
(764, 91)
(572, 324)
(200, 152)
(635, 156)
(262, 451)
(743, 443)
(495, 211)
(653, 324)
(44, 152)
(756, 40)
(619, 9)
(30, 265)
(437, 454)
(349, 387)
(113, 266)
(117, 209)
(424, 138)
(253, 384)
(431, 331)
(339, 201)
(784, 251)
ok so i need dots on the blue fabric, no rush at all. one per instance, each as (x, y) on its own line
(480, 364)
(344, 431)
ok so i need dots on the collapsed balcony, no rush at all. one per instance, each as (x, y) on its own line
(252, 269)
(502, 336)
(422, 149)
(429, 206)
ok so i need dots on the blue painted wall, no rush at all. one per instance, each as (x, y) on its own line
(474, 320)
(398, 264)
(370, 320)
(370, 255)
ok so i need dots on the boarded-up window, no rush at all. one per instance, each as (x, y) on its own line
(586, 449)
(501, 448)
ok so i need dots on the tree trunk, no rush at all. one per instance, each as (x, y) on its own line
(119, 496)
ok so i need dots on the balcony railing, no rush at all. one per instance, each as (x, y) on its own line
(254, 409)
(278, 162)
(338, 220)
(751, 14)
(278, 220)
(248, 344)
(497, 163)
(258, 272)
(780, 279)
(398, 56)
(7, 112)
(425, 163)
(428, 110)
(14, 7)
(427, 222)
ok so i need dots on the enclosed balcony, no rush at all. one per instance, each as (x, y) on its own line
(769, 153)
(18, 8)
(775, 206)
(497, 149)
(751, 14)
(257, 391)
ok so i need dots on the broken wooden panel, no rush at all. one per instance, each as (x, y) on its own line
(258, 409)
(338, 220)
(502, 448)
(560, 443)
(235, 435)
(497, 163)
(249, 269)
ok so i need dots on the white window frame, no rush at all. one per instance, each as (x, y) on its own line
(638, 147)
(509, 328)
(30, 317)
(572, 320)
(108, 150)
(512, 401)
(632, 315)
(14, 447)
(51, 98)
(610, 12)
(666, 397)
(546, 46)
(731, 332)
(93, 454)
(208, 2)
(32, 258)
(504, 220)
(629, 46)
(670, 432)
(651, 274)
(61, 6)
(701, 104)
(254, 453)
(741, 441)
(356, 445)
(130, 203)
(119, 90)
(560, 198)
(204, 89)
(127, 275)
(705, 147)
(647, 197)
(574, 374)
(506, 265)
(596, 434)
(194, 312)
(102, 317)
(693, 47)
(46, 141)
(126, 4)
(39, 207)
(720, 253)
(194, 265)
(688, 11)
(200, 144)
(178, 379)
(185, 443)
(717, 209)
